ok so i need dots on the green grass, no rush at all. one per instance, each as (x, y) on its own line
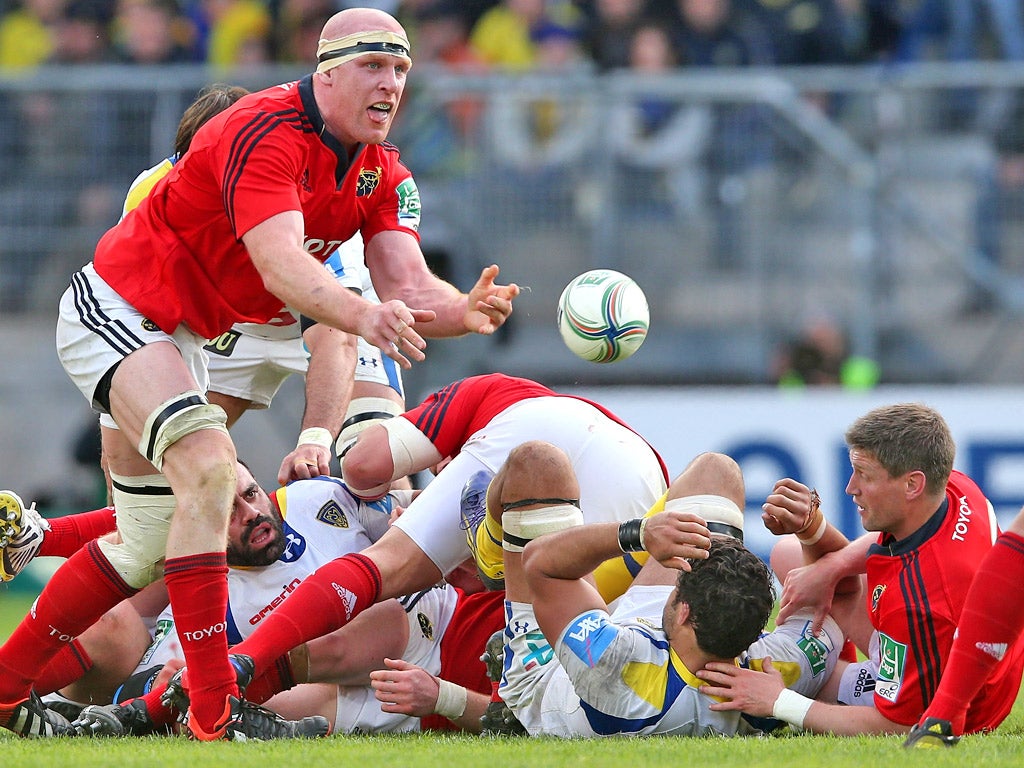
(1004, 747)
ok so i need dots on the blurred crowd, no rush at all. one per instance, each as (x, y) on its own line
(515, 34)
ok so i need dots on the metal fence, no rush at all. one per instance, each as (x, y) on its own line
(743, 201)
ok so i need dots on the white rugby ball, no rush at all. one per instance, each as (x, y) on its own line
(603, 316)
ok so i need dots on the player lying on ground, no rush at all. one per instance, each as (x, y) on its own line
(443, 629)
(574, 667)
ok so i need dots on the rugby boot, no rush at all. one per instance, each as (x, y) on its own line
(498, 719)
(21, 534)
(175, 695)
(933, 733)
(128, 719)
(473, 513)
(30, 718)
(245, 721)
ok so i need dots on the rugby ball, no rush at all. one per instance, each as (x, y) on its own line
(603, 316)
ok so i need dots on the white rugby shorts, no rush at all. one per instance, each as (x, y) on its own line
(619, 474)
(97, 329)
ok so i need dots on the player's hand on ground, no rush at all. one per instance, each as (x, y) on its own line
(389, 326)
(674, 538)
(489, 303)
(404, 688)
(787, 507)
(746, 690)
(306, 461)
(809, 587)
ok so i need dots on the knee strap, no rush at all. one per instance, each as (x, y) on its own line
(173, 419)
(145, 506)
(363, 412)
(721, 514)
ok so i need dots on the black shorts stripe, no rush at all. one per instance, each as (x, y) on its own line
(408, 602)
(114, 332)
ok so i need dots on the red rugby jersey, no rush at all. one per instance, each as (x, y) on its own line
(450, 416)
(916, 591)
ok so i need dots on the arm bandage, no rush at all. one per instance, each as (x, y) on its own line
(451, 699)
(315, 436)
(791, 707)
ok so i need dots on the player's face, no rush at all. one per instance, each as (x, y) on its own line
(255, 531)
(362, 97)
(879, 497)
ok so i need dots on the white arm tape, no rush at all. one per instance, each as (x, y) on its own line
(791, 707)
(315, 436)
(451, 699)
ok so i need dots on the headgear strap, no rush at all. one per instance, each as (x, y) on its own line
(331, 53)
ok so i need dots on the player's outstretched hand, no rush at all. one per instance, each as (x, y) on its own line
(306, 461)
(404, 688)
(788, 506)
(674, 538)
(489, 303)
(389, 326)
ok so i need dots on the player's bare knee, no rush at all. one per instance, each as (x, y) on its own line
(712, 473)
(538, 469)
(785, 556)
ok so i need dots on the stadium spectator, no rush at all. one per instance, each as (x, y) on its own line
(151, 32)
(820, 355)
(707, 33)
(64, 147)
(171, 440)
(28, 33)
(934, 525)
(475, 422)
(440, 139)
(609, 31)
(658, 142)
(798, 32)
(238, 32)
(502, 36)
(999, 203)
(539, 136)
(700, 597)
(870, 30)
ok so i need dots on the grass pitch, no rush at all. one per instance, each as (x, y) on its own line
(1005, 747)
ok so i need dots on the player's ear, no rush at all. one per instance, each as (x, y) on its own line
(682, 613)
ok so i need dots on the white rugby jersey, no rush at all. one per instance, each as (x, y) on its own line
(322, 521)
(617, 674)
